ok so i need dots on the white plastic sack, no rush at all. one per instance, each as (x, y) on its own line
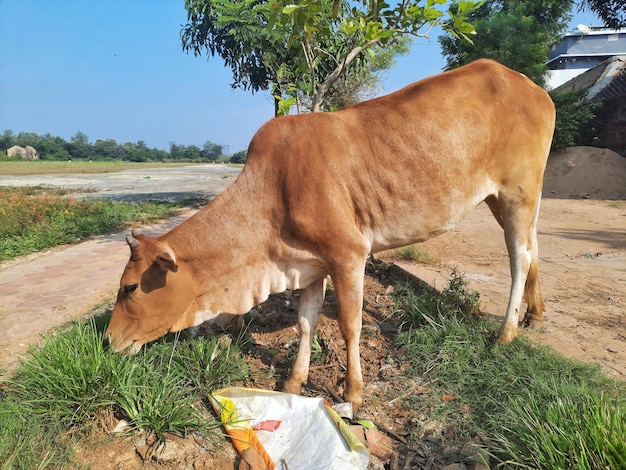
(296, 432)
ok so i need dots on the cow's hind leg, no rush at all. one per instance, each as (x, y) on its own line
(311, 300)
(532, 293)
(518, 217)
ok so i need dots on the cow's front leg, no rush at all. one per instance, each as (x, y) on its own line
(311, 300)
(349, 290)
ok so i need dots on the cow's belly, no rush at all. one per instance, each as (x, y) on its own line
(381, 241)
(416, 223)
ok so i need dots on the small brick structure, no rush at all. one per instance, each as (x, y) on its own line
(25, 153)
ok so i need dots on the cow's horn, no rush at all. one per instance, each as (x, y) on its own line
(132, 242)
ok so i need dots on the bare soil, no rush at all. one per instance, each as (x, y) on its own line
(582, 266)
(582, 243)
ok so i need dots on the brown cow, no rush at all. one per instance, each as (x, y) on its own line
(322, 191)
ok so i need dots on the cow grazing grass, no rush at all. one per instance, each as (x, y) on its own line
(528, 406)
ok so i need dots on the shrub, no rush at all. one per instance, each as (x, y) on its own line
(575, 119)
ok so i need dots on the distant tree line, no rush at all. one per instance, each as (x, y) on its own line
(80, 148)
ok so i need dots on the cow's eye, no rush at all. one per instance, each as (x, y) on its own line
(130, 288)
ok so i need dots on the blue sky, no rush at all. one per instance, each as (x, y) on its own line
(116, 69)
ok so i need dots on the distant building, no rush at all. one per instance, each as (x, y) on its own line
(27, 153)
(606, 82)
(582, 50)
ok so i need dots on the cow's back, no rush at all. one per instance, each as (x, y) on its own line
(409, 165)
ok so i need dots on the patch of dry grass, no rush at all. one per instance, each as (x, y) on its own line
(44, 167)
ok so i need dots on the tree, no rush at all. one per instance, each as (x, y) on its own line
(192, 153)
(185, 152)
(80, 138)
(612, 12)
(239, 157)
(236, 32)
(211, 151)
(79, 147)
(349, 88)
(326, 42)
(136, 152)
(301, 48)
(27, 138)
(109, 149)
(516, 33)
(7, 140)
(52, 148)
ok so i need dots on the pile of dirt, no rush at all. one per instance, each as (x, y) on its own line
(585, 173)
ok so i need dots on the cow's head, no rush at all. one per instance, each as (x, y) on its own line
(156, 296)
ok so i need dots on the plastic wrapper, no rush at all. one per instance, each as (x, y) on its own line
(288, 431)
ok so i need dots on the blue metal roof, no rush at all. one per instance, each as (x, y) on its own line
(599, 42)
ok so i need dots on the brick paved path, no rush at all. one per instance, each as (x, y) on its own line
(48, 289)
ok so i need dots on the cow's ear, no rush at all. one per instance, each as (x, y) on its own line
(167, 262)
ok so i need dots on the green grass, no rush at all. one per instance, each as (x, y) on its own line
(33, 219)
(415, 253)
(29, 442)
(582, 432)
(63, 386)
(537, 408)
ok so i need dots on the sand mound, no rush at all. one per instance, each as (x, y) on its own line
(585, 172)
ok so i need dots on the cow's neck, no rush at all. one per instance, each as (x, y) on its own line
(231, 250)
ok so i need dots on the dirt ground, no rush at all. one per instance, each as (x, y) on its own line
(582, 244)
(582, 249)
(582, 267)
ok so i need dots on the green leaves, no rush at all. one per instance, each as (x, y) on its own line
(516, 34)
(315, 44)
(331, 42)
(285, 105)
(289, 9)
(575, 119)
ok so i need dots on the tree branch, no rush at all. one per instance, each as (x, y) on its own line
(339, 70)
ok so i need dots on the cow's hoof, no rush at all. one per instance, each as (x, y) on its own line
(507, 335)
(292, 386)
(356, 398)
(533, 321)
(533, 324)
